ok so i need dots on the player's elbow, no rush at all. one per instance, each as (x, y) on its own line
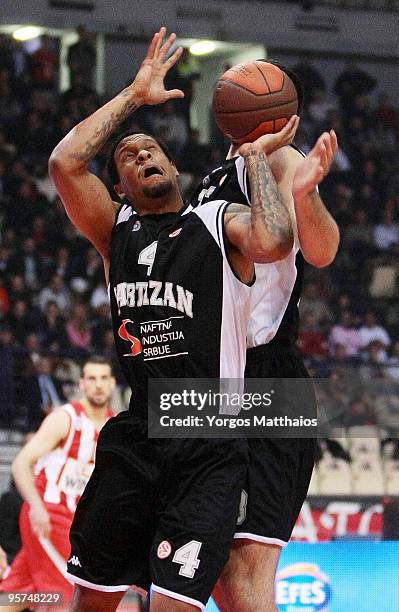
(273, 250)
(58, 165)
(63, 163)
(324, 255)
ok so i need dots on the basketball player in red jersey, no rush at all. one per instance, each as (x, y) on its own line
(51, 472)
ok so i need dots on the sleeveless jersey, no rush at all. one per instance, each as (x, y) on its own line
(277, 289)
(178, 310)
(61, 475)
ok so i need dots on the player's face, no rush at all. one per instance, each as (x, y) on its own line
(143, 168)
(97, 384)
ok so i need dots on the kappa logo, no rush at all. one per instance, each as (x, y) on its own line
(136, 347)
(136, 226)
(164, 550)
(74, 560)
(175, 233)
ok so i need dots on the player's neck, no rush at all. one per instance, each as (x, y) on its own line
(95, 413)
(159, 206)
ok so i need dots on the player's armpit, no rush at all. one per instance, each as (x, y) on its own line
(87, 203)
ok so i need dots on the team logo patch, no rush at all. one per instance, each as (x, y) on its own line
(136, 226)
(175, 233)
(136, 347)
(164, 550)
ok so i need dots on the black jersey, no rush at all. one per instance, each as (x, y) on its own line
(178, 310)
(278, 286)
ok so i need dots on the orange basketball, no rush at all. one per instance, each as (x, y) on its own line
(253, 99)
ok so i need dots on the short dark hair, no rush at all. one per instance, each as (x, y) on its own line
(110, 166)
(294, 78)
(97, 360)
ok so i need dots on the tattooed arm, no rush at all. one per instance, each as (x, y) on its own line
(85, 197)
(262, 233)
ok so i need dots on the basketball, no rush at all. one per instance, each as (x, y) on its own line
(253, 99)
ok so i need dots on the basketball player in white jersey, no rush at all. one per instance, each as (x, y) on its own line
(280, 468)
(51, 472)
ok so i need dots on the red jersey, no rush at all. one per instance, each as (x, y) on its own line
(62, 474)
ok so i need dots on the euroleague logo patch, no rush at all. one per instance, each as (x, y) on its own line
(136, 226)
(164, 550)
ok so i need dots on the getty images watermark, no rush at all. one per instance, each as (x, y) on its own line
(229, 408)
(344, 403)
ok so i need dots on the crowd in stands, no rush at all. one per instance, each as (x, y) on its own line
(53, 299)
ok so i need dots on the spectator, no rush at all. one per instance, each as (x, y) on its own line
(26, 264)
(56, 292)
(386, 234)
(312, 300)
(374, 359)
(78, 330)
(312, 342)
(44, 66)
(386, 112)
(42, 392)
(351, 82)
(344, 332)
(53, 335)
(170, 128)
(319, 107)
(392, 369)
(310, 78)
(371, 332)
(82, 58)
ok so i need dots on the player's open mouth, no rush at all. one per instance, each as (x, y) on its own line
(151, 170)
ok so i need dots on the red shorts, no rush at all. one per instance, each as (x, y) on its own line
(39, 567)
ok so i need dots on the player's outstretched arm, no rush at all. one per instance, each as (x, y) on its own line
(318, 233)
(52, 431)
(263, 233)
(85, 197)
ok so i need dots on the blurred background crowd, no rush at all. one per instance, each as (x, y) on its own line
(53, 300)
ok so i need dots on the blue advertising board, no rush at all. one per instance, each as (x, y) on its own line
(337, 577)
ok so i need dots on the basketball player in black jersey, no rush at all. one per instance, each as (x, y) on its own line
(156, 510)
(280, 469)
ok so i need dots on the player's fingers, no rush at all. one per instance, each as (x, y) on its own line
(159, 41)
(167, 45)
(152, 46)
(327, 144)
(323, 155)
(174, 93)
(334, 141)
(171, 61)
(289, 126)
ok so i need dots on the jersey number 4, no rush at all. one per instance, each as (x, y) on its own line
(187, 557)
(147, 256)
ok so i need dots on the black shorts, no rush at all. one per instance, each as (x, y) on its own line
(280, 469)
(157, 511)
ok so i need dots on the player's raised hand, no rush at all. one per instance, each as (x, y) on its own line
(271, 142)
(40, 520)
(307, 176)
(148, 84)
(325, 149)
(316, 166)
